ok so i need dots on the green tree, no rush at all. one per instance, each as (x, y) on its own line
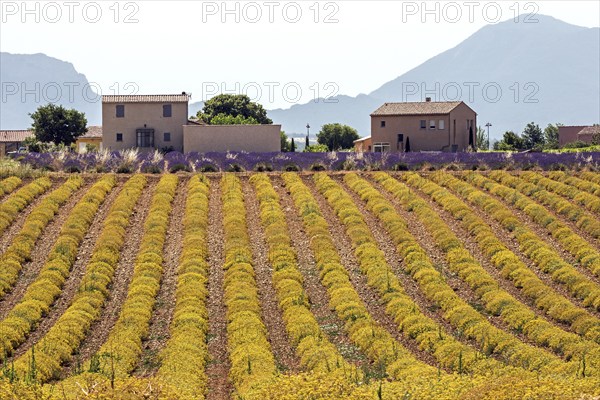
(533, 136)
(510, 142)
(234, 105)
(54, 123)
(285, 144)
(316, 148)
(407, 147)
(224, 119)
(482, 142)
(551, 136)
(337, 136)
(293, 146)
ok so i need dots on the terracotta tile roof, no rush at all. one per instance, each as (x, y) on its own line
(152, 98)
(93, 132)
(417, 108)
(590, 130)
(362, 139)
(196, 122)
(15, 136)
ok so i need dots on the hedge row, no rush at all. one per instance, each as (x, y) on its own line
(537, 250)
(123, 347)
(315, 351)
(44, 361)
(460, 314)
(46, 288)
(23, 243)
(252, 361)
(184, 357)
(377, 343)
(8, 185)
(583, 220)
(496, 300)
(16, 202)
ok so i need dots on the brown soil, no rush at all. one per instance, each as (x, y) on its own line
(43, 246)
(15, 227)
(317, 294)
(217, 369)
(158, 333)
(369, 296)
(71, 285)
(272, 316)
(100, 329)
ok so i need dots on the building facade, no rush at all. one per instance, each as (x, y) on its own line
(146, 122)
(91, 139)
(571, 134)
(428, 126)
(12, 140)
(223, 138)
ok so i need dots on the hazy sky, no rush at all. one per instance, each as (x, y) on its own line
(278, 52)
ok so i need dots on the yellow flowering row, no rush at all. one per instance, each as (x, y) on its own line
(9, 184)
(582, 250)
(184, 357)
(121, 351)
(511, 267)
(571, 180)
(23, 243)
(459, 314)
(44, 361)
(582, 198)
(583, 220)
(16, 202)
(540, 252)
(366, 333)
(42, 292)
(315, 351)
(593, 177)
(496, 300)
(252, 361)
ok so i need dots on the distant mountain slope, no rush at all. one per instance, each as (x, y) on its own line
(31, 80)
(551, 62)
(547, 71)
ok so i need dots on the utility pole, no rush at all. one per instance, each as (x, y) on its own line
(488, 141)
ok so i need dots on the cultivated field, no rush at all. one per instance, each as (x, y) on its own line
(473, 285)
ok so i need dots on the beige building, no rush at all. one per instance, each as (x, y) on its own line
(161, 122)
(146, 122)
(11, 140)
(428, 125)
(92, 138)
(223, 138)
(363, 145)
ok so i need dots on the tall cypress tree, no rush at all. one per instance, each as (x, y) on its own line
(293, 146)
(407, 148)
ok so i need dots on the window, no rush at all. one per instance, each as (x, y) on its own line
(119, 137)
(441, 124)
(381, 147)
(167, 110)
(145, 138)
(432, 124)
(423, 124)
(120, 111)
(383, 124)
(167, 137)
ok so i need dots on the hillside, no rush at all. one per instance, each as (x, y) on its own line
(31, 80)
(561, 60)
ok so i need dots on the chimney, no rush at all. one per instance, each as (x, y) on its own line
(428, 99)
